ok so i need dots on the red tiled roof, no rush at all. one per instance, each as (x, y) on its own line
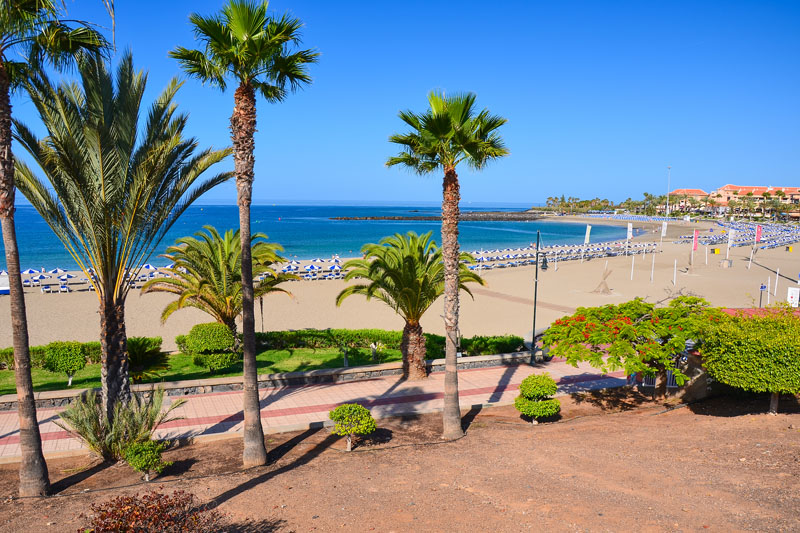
(689, 192)
(757, 190)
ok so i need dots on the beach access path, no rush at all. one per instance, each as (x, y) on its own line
(295, 408)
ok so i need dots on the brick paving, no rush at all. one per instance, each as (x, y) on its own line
(217, 415)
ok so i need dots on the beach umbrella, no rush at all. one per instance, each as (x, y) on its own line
(3, 273)
(40, 277)
(65, 277)
(294, 262)
(317, 260)
(148, 266)
(57, 270)
(312, 267)
(29, 271)
(335, 267)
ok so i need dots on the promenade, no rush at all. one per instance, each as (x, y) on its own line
(219, 415)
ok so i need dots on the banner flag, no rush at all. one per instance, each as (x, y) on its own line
(630, 230)
(758, 233)
(664, 229)
(588, 231)
(696, 237)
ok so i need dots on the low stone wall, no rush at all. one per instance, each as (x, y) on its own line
(62, 398)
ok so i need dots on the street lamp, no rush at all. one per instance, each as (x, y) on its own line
(535, 295)
(669, 171)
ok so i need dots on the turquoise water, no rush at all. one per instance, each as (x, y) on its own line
(307, 232)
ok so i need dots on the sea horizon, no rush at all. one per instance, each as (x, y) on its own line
(307, 231)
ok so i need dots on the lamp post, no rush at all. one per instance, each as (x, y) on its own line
(669, 172)
(535, 295)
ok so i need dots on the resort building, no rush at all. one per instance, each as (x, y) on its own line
(746, 197)
(687, 198)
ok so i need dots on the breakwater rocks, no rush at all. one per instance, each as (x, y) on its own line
(484, 216)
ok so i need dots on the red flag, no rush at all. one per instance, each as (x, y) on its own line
(758, 233)
(696, 235)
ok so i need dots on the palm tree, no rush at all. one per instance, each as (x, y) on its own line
(31, 34)
(114, 187)
(406, 273)
(258, 52)
(452, 131)
(207, 274)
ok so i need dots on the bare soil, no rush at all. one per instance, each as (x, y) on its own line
(613, 461)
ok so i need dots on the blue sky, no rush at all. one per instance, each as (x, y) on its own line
(600, 96)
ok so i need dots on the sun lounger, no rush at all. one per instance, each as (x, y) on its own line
(64, 288)
(46, 289)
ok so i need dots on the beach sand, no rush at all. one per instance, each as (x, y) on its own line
(505, 306)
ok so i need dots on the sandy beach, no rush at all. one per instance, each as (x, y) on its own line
(505, 305)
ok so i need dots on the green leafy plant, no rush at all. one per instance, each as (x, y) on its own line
(352, 419)
(145, 457)
(534, 397)
(210, 337)
(67, 357)
(145, 358)
(93, 351)
(759, 353)
(7, 358)
(481, 345)
(178, 512)
(133, 422)
(180, 342)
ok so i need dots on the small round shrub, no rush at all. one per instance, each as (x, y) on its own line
(537, 408)
(538, 387)
(66, 357)
(154, 511)
(216, 361)
(180, 342)
(208, 338)
(145, 457)
(93, 351)
(352, 419)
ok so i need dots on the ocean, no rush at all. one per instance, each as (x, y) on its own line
(307, 231)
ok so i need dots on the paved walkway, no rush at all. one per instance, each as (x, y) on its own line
(217, 415)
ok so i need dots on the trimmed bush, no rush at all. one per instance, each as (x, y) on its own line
(145, 358)
(66, 357)
(180, 342)
(208, 338)
(216, 361)
(534, 397)
(154, 511)
(352, 419)
(93, 351)
(480, 345)
(757, 354)
(538, 387)
(145, 457)
(38, 356)
(7, 358)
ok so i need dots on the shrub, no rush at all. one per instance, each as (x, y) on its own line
(38, 356)
(757, 354)
(209, 338)
(93, 351)
(7, 358)
(133, 422)
(180, 342)
(352, 419)
(66, 357)
(538, 387)
(145, 457)
(154, 511)
(145, 358)
(534, 397)
(216, 361)
(480, 345)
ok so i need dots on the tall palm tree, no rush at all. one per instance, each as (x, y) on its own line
(206, 274)
(113, 188)
(31, 35)
(258, 52)
(406, 273)
(450, 132)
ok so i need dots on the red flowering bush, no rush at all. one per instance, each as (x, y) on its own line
(153, 511)
(635, 336)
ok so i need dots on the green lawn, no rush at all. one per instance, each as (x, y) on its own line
(182, 367)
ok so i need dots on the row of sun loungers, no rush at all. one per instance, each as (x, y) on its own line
(772, 235)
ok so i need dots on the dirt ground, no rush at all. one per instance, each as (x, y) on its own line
(613, 462)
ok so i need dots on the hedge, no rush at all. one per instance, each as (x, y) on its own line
(362, 338)
(92, 350)
(209, 338)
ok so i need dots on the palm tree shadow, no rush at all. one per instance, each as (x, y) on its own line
(266, 476)
(469, 417)
(261, 526)
(78, 477)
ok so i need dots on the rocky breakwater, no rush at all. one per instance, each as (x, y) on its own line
(483, 216)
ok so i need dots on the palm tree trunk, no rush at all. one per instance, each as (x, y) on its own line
(114, 371)
(413, 349)
(451, 416)
(243, 127)
(33, 477)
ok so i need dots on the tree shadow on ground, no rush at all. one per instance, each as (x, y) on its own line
(178, 468)
(266, 476)
(739, 403)
(376, 438)
(620, 399)
(469, 417)
(78, 477)
(257, 526)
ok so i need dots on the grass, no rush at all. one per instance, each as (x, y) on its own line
(182, 368)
